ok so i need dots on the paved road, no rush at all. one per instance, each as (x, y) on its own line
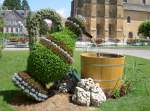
(15, 49)
(132, 52)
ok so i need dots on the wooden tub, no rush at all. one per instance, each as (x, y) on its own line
(106, 70)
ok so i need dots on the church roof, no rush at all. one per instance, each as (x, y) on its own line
(137, 7)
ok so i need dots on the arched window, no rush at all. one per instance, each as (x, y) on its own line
(130, 35)
(144, 1)
(125, 1)
(98, 29)
(128, 19)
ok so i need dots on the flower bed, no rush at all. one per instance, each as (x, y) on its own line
(30, 86)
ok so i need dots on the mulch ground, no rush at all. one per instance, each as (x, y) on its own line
(60, 102)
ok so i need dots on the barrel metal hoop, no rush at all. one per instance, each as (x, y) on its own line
(120, 78)
(107, 65)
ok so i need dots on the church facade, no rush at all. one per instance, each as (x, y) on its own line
(112, 19)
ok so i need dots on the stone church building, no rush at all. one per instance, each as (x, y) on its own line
(112, 19)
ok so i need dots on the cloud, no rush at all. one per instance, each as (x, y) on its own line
(62, 12)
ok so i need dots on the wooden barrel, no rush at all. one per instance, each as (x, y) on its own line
(107, 70)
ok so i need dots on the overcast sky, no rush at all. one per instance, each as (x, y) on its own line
(63, 7)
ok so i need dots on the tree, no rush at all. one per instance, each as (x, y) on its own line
(144, 28)
(12, 4)
(1, 24)
(18, 4)
(25, 5)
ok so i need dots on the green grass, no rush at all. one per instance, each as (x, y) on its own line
(137, 70)
(138, 73)
(10, 63)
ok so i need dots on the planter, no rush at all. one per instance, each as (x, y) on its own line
(107, 70)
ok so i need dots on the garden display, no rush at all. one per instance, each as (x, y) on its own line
(49, 68)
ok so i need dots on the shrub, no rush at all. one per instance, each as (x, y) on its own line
(144, 28)
(45, 66)
(66, 36)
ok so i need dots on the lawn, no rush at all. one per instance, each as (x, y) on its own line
(137, 70)
(10, 63)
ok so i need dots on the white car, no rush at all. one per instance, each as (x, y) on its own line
(83, 44)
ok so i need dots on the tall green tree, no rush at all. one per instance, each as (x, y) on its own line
(144, 28)
(1, 24)
(12, 4)
(25, 5)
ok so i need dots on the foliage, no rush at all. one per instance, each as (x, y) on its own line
(78, 20)
(0, 51)
(25, 5)
(33, 24)
(43, 28)
(1, 24)
(144, 28)
(12, 4)
(66, 36)
(73, 27)
(45, 66)
(76, 25)
(116, 93)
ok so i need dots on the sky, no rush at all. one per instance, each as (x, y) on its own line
(63, 7)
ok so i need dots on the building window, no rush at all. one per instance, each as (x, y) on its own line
(144, 2)
(125, 1)
(130, 35)
(128, 19)
(16, 30)
(100, 1)
(110, 29)
(98, 29)
(12, 29)
(21, 29)
(98, 13)
(7, 29)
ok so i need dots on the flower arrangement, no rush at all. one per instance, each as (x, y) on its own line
(30, 86)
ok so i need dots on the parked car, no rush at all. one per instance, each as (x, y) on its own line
(83, 44)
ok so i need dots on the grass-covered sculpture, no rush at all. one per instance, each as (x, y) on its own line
(50, 57)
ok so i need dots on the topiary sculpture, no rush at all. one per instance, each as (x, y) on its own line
(50, 57)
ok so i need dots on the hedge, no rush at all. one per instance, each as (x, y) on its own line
(45, 66)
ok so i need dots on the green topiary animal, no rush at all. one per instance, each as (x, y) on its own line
(50, 57)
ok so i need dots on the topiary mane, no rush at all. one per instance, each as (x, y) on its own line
(33, 24)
